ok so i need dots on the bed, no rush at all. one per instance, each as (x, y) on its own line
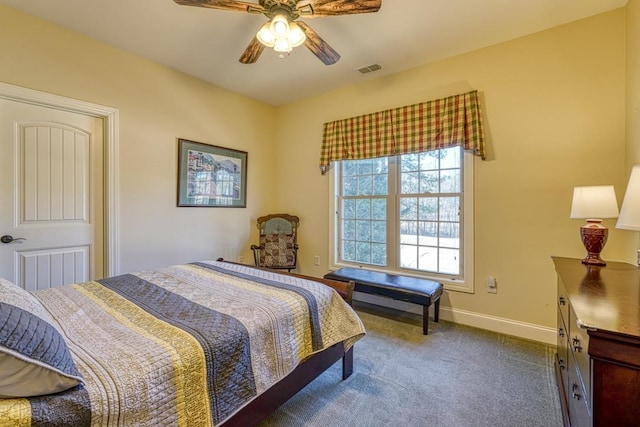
(199, 344)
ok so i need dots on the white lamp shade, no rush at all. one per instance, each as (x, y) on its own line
(594, 202)
(630, 212)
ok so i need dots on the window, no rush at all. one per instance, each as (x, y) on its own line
(410, 214)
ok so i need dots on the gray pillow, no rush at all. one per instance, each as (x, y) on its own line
(34, 357)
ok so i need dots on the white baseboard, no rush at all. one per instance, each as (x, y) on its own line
(478, 320)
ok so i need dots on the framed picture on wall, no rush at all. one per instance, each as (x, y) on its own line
(211, 176)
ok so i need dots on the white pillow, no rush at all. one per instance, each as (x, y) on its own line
(34, 357)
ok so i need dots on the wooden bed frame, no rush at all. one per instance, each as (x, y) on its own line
(266, 403)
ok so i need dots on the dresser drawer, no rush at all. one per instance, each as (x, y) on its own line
(578, 401)
(563, 352)
(563, 303)
(579, 347)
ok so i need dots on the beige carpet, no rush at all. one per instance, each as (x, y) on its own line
(455, 376)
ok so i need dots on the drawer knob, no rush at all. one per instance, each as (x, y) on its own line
(576, 345)
(574, 391)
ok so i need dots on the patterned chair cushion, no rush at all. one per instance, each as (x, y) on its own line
(278, 250)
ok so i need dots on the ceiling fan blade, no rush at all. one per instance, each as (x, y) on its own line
(318, 8)
(236, 6)
(319, 47)
(252, 52)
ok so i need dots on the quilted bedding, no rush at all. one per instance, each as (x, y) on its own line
(183, 345)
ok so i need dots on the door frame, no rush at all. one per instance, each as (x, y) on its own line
(110, 118)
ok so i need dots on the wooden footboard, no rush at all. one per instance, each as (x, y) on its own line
(263, 405)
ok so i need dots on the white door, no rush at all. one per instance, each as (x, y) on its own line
(51, 196)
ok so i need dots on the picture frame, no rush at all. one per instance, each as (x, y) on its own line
(211, 176)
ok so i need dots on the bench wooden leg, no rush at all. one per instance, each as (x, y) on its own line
(425, 316)
(347, 364)
(425, 320)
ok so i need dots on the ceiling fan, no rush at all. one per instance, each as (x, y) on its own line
(282, 32)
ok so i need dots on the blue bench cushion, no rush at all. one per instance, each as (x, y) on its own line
(411, 289)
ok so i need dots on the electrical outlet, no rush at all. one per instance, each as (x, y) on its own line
(316, 260)
(240, 258)
(492, 285)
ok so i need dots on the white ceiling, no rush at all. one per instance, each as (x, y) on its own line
(403, 34)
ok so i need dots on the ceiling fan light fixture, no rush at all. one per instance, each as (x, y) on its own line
(281, 35)
(265, 35)
(280, 26)
(282, 46)
(296, 35)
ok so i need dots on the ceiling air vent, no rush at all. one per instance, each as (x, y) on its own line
(369, 68)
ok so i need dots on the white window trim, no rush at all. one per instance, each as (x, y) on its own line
(466, 285)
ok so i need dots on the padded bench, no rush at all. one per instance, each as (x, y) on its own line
(403, 288)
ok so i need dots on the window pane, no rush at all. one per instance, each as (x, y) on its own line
(349, 230)
(428, 233)
(429, 182)
(409, 256)
(449, 261)
(449, 235)
(450, 181)
(349, 250)
(349, 167)
(450, 209)
(364, 167)
(363, 209)
(381, 165)
(365, 185)
(428, 208)
(409, 232)
(408, 208)
(428, 259)
(450, 158)
(349, 186)
(348, 208)
(429, 160)
(378, 254)
(363, 252)
(363, 230)
(380, 184)
(379, 208)
(379, 231)
(410, 162)
(410, 182)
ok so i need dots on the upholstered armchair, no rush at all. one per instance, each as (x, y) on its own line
(278, 247)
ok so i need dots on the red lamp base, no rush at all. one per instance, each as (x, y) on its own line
(594, 237)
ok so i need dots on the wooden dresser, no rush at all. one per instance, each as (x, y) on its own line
(598, 359)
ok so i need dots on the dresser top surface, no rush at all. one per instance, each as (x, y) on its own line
(607, 298)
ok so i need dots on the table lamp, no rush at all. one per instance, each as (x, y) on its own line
(594, 203)
(629, 218)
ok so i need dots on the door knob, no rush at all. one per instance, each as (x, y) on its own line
(8, 239)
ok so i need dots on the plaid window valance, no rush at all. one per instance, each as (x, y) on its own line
(445, 122)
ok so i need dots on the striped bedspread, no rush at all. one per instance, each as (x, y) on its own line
(183, 345)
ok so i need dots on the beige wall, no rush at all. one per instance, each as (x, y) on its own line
(555, 109)
(632, 101)
(633, 81)
(157, 105)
